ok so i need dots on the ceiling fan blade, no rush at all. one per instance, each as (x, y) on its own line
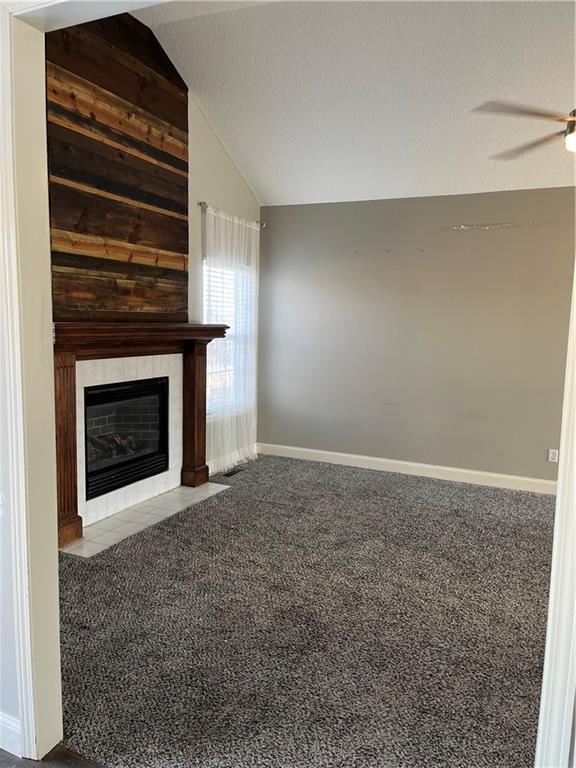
(511, 154)
(521, 110)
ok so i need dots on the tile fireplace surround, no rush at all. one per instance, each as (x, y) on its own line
(117, 370)
(86, 354)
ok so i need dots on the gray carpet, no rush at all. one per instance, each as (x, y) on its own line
(314, 616)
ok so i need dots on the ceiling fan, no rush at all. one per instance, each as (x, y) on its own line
(519, 110)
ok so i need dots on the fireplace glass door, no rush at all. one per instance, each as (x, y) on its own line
(126, 433)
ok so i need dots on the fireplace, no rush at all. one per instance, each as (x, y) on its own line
(76, 343)
(126, 433)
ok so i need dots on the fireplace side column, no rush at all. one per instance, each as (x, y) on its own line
(69, 522)
(194, 468)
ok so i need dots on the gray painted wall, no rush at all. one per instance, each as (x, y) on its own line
(384, 334)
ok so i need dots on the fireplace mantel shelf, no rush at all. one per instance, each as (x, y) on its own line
(90, 341)
(101, 340)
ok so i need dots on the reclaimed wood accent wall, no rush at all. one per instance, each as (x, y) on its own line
(118, 174)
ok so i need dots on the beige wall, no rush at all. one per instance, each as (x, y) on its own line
(37, 360)
(215, 179)
(383, 334)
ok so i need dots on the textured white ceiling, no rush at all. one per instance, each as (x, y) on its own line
(329, 101)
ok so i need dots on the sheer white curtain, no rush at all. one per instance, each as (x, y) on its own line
(230, 283)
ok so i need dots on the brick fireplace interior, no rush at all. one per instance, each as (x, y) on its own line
(125, 433)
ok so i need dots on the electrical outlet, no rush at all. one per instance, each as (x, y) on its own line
(553, 455)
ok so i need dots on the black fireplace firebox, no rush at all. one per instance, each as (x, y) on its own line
(126, 433)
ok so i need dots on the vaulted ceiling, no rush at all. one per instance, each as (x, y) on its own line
(327, 101)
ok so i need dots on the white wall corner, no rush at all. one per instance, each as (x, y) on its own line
(556, 744)
(30, 374)
(16, 735)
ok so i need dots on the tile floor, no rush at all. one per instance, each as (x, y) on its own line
(103, 534)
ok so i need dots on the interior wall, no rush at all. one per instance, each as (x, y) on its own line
(385, 333)
(38, 376)
(213, 178)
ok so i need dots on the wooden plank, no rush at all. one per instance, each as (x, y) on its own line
(115, 250)
(74, 81)
(77, 95)
(74, 156)
(77, 289)
(79, 212)
(113, 196)
(80, 51)
(140, 292)
(89, 127)
(136, 39)
(132, 280)
(133, 276)
(121, 316)
(131, 350)
(111, 267)
(80, 337)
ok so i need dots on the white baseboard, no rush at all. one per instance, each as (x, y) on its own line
(10, 734)
(456, 474)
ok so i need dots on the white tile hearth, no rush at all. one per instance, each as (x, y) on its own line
(103, 534)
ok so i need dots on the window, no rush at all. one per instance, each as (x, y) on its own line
(230, 283)
(229, 294)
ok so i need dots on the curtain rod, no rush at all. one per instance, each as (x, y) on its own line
(203, 204)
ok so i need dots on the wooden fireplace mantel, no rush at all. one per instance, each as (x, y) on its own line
(90, 341)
